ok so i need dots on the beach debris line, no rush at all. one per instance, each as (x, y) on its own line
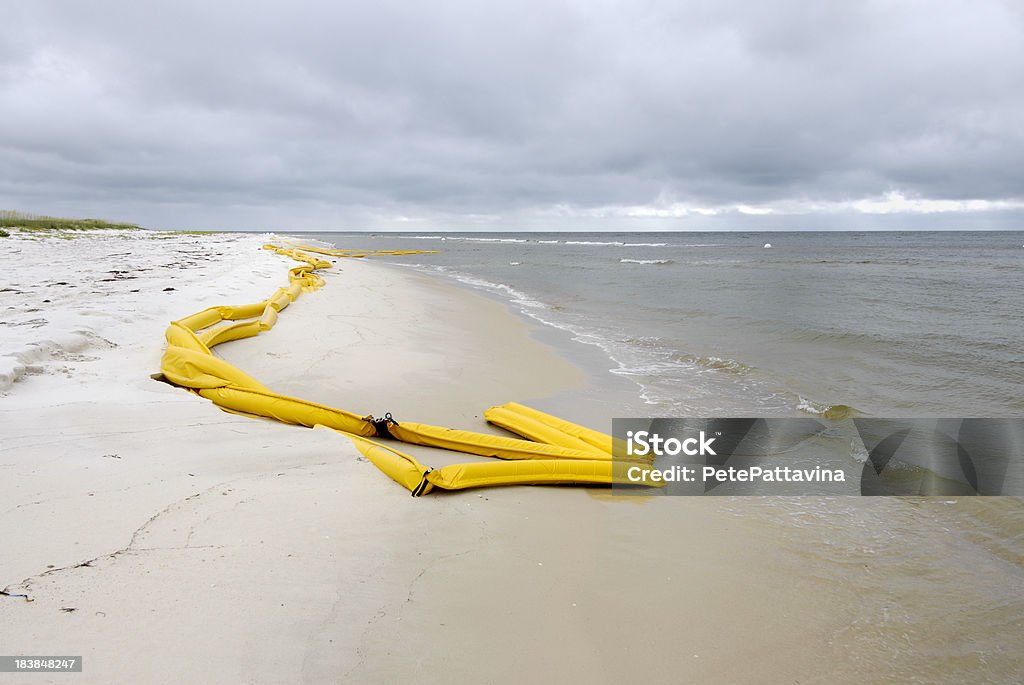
(550, 450)
(5, 593)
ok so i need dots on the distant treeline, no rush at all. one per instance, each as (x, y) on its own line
(14, 219)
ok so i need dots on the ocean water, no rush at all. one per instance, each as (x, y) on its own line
(716, 324)
(833, 324)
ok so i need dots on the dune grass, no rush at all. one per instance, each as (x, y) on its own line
(38, 222)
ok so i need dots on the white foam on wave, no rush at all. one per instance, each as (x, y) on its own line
(646, 261)
(613, 243)
(517, 296)
(625, 360)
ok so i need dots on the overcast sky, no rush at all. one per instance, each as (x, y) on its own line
(533, 114)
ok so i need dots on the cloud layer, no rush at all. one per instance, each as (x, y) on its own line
(535, 114)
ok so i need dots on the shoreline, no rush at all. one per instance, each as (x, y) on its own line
(591, 403)
(604, 390)
(383, 340)
(151, 525)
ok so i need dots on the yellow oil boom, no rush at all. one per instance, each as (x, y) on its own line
(551, 451)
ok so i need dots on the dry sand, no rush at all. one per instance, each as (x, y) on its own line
(166, 541)
(382, 339)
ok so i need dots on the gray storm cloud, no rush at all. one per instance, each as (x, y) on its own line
(535, 113)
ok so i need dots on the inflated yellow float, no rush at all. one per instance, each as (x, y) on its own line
(551, 451)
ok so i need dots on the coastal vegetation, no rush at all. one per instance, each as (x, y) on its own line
(37, 222)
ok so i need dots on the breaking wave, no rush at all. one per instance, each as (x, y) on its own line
(829, 411)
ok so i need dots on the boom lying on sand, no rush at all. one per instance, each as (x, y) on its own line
(553, 451)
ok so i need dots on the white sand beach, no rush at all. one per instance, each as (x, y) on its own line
(166, 541)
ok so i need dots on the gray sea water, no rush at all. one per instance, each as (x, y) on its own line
(834, 324)
(716, 324)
